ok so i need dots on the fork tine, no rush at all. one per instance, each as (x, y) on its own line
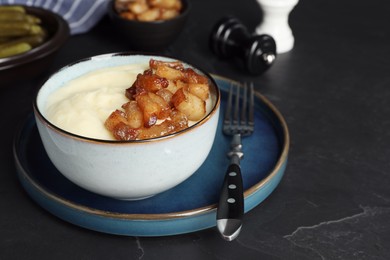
(236, 110)
(251, 121)
(243, 117)
(228, 110)
(239, 114)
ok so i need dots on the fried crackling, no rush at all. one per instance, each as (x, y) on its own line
(189, 104)
(134, 114)
(115, 118)
(169, 73)
(164, 107)
(137, 7)
(191, 76)
(153, 64)
(148, 10)
(146, 82)
(130, 93)
(177, 121)
(151, 82)
(200, 90)
(149, 109)
(125, 133)
(163, 3)
(187, 75)
(166, 14)
(153, 107)
(173, 86)
(155, 131)
(178, 5)
(166, 91)
(117, 124)
(166, 94)
(151, 14)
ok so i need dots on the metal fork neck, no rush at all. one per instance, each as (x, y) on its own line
(236, 153)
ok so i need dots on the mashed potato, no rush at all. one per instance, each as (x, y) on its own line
(82, 105)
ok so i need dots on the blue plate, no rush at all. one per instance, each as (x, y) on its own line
(188, 207)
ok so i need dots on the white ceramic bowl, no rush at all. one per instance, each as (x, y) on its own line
(127, 170)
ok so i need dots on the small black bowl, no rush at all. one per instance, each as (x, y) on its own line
(149, 36)
(34, 62)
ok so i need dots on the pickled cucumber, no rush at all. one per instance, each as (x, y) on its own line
(19, 31)
(10, 16)
(18, 8)
(11, 29)
(33, 40)
(14, 49)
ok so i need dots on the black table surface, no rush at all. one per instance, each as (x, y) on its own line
(333, 89)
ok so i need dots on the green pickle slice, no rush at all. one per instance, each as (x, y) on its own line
(19, 31)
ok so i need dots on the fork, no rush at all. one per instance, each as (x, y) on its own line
(238, 122)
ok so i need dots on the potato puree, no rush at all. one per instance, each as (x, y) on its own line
(82, 105)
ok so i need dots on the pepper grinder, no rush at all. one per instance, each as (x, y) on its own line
(231, 39)
(275, 22)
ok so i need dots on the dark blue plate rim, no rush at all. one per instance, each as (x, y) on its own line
(276, 172)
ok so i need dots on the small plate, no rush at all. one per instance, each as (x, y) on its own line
(188, 207)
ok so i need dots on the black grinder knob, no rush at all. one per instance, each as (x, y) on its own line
(230, 38)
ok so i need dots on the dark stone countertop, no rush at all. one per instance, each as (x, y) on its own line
(333, 90)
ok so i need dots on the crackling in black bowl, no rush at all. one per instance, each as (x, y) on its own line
(149, 35)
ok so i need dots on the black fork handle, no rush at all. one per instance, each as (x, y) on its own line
(231, 201)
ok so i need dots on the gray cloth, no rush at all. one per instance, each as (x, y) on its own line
(81, 15)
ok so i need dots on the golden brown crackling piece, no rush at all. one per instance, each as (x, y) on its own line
(179, 120)
(117, 124)
(166, 94)
(162, 3)
(166, 14)
(187, 75)
(176, 100)
(137, 7)
(189, 104)
(198, 89)
(151, 14)
(125, 132)
(191, 76)
(146, 82)
(121, 130)
(169, 73)
(148, 10)
(134, 114)
(115, 118)
(153, 64)
(156, 130)
(176, 122)
(164, 107)
(153, 107)
(149, 109)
